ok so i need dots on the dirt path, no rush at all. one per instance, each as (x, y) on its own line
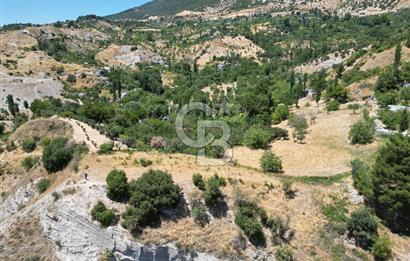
(84, 133)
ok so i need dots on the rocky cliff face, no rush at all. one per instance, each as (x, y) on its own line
(68, 226)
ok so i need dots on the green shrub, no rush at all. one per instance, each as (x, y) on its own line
(2, 128)
(198, 181)
(28, 145)
(332, 105)
(213, 195)
(199, 215)
(71, 78)
(56, 155)
(105, 216)
(284, 254)
(257, 137)
(43, 185)
(281, 113)
(246, 217)
(362, 226)
(354, 107)
(279, 133)
(362, 132)
(362, 179)
(152, 192)
(117, 186)
(278, 229)
(382, 248)
(106, 148)
(271, 163)
(145, 163)
(29, 162)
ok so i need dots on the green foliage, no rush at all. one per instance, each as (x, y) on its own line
(281, 113)
(56, 154)
(362, 132)
(391, 179)
(199, 215)
(29, 162)
(257, 137)
(71, 78)
(105, 216)
(382, 248)
(43, 185)
(284, 254)
(362, 226)
(332, 105)
(362, 179)
(106, 148)
(336, 215)
(2, 128)
(28, 145)
(246, 217)
(117, 185)
(271, 163)
(152, 192)
(287, 188)
(278, 228)
(354, 107)
(199, 181)
(145, 163)
(213, 195)
(279, 133)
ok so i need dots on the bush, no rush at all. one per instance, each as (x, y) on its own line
(11, 146)
(199, 215)
(362, 226)
(117, 186)
(106, 148)
(278, 229)
(257, 137)
(354, 107)
(153, 191)
(382, 248)
(2, 128)
(287, 189)
(198, 181)
(43, 185)
(71, 78)
(213, 195)
(362, 132)
(391, 183)
(284, 254)
(56, 155)
(281, 113)
(105, 216)
(279, 133)
(362, 179)
(246, 218)
(145, 163)
(28, 145)
(332, 105)
(29, 162)
(271, 163)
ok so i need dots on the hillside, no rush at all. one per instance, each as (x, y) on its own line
(280, 134)
(208, 7)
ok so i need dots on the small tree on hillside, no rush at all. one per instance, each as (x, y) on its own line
(362, 226)
(271, 163)
(56, 154)
(117, 185)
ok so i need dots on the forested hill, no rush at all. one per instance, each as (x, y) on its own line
(173, 7)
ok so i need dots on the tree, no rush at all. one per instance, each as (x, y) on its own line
(397, 58)
(271, 163)
(12, 106)
(319, 85)
(404, 118)
(362, 132)
(391, 175)
(56, 154)
(246, 217)
(257, 137)
(117, 185)
(281, 113)
(362, 179)
(332, 105)
(105, 216)
(362, 226)
(2, 128)
(26, 105)
(152, 192)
